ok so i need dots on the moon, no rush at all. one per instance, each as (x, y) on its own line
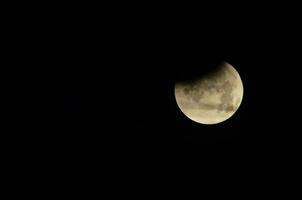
(212, 98)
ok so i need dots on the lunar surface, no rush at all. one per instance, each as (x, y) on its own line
(212, 98)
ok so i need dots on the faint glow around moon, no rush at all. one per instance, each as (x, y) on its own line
(212, 98)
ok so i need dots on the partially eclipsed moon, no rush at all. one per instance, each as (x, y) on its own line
(213, 98)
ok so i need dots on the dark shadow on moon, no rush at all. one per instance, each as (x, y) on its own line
(197, 67)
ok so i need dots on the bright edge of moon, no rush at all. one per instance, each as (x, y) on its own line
(213, 98)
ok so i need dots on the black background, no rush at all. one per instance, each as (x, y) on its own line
(119, 121)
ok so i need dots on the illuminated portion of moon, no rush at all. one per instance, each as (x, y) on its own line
(213, 98)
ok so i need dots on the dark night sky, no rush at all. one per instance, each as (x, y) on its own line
(120, 122)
